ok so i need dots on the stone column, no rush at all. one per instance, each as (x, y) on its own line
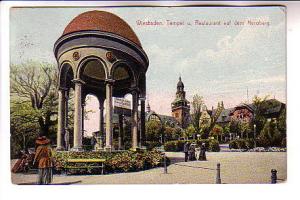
(143, 129)
(67, 135)
(82, 111)
(121, 132)
(61, 119)
(134, 124)
(108, 117)
(77, 116)
(101, 123)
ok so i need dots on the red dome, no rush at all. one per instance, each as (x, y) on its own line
(102, 21)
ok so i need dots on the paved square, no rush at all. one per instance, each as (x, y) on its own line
(236, 167)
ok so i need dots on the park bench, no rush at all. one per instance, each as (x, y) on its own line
(84, 164)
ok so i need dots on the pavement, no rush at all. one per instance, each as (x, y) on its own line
(236, 167)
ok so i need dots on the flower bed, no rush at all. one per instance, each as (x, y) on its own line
(115, 161)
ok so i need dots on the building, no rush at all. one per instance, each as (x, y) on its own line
(245, 112)
(163, 119)
(181, 106)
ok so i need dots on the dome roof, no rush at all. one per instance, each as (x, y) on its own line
(102, 21)
(180, 83)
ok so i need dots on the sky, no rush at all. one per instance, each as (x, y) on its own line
(217, 62)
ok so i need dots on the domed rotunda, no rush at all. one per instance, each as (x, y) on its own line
(99, 54)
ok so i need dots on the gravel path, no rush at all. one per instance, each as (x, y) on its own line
(236, 167)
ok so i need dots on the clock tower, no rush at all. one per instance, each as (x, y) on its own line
(181, 106)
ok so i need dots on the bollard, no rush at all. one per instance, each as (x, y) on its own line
(218, 178)
(165, 164)
(273, 176)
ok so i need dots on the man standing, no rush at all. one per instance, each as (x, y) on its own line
(186, 151)
(93, 142)
(202, 155)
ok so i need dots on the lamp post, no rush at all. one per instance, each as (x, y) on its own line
(254, 126)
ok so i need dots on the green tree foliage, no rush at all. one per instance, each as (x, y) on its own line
(189, 131)
(270, 135)
(153, 130)
(245, 129)
(226, 130)
(282, 122)
(171, 133)
(261, 106)
(197, 104)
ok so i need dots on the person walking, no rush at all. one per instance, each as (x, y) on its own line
(202, 155)
(186, 151)
(43, 156)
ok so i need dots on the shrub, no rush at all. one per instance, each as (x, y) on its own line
(214, 146)
(233, 144)
(177, 146)
(115, 161)
(152, 144)
(241, 144)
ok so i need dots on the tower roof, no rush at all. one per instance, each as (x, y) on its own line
(180, 83)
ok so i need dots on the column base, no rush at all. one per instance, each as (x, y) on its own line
(108, 148)
(77, 149)
(134, 148)
(60, 149)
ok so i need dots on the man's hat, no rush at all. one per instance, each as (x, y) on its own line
(42, 140)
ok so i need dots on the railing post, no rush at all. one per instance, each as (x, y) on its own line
(273, 176)
(218, 177)
(165, 164)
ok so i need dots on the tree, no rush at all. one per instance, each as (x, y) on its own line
(197, 104)
(153, 130)
(270, 135)
(226, 130)
(217, 132)
(189, 131)
(245, 129)
(171, 133)
(33, 94)
(260, 107)
(282, 122)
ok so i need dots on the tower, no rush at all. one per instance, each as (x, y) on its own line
(181, 106)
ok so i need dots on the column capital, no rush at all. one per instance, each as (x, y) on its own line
(78, 81)
(134, 91)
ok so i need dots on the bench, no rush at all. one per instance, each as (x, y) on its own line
(83, 164)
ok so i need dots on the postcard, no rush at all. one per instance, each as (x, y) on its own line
(148, 95)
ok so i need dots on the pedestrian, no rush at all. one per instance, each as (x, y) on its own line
(93, 141)
(202, 155)
(43, 156)
(192, 152)
(186, 151)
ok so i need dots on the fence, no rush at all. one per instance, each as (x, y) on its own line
(218, 169)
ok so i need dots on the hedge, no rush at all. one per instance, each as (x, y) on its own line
(177, 146)
(115, 161)
(241, 144)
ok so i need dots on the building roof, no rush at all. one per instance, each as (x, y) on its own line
(101, 21)
(180, 83)
(225, 115)
(274, 107)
